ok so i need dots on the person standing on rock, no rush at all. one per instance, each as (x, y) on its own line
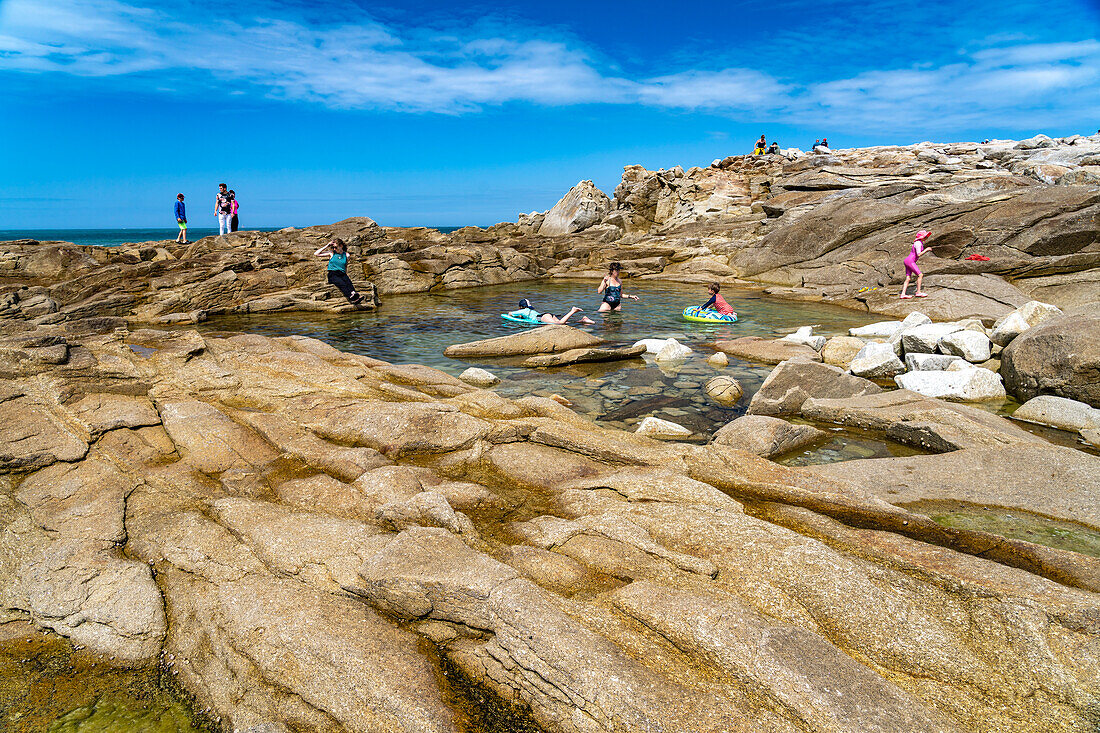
(910, 263)
(233, 206)
(223, 207)
(338, 269)
(181, 219)
(611, 287)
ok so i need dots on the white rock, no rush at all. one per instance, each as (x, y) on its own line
(655, 427)
(966, 385)
(916, 318)
(924, 339)
(876, 360)
(673, 350)
(652, 346)
(1027, 316)
(882, 329)
(929, 362)
(718, 359)
(804, 335)
(479, 377)
(970, 345)
(1060, 412)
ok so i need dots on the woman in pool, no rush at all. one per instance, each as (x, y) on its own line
(338, 269)
(611, 287)
(526, 311)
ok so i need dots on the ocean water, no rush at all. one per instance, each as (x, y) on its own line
(115, 237)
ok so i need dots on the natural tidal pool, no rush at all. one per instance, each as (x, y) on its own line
(415, 329)
(1013, 523)
(48, 686)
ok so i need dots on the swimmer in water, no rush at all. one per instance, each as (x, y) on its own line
(611, 287)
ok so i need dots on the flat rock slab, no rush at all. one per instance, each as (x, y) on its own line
(952, 297)
(543, 340)
(581, 356)
(1059, 412)
(1042, 478)
(924, 422)
(768, 351)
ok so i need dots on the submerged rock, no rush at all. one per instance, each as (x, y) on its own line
(724, 390)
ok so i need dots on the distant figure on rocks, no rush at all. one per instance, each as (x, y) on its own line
(825, 142)
(612, 289)
(223, 207)
(526, 311)
(181, 219)
(338, 269)
(817, 144)
(773, 149)
(233, 206)
(761, 144)
(910, 263)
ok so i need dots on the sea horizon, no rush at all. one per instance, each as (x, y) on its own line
(113, 237)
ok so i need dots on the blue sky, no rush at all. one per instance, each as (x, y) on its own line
(446, 113)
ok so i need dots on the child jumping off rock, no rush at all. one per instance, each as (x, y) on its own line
(526, 311)
(910, 263)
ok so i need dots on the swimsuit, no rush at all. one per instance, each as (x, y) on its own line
(719, 304)
(910, 262)
(613, 295)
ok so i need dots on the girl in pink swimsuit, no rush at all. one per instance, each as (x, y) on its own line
(910, 263)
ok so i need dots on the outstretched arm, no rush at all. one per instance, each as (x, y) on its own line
(321, 252)
(712, 301)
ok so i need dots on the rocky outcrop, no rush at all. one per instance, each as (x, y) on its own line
(583, 206)
(302, 534)
(767, 351)
(1060, 356)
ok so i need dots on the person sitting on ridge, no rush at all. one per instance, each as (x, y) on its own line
(773, 149)
(526, 311)
(338, 269)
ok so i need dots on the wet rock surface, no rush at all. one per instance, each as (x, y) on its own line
(302, 534)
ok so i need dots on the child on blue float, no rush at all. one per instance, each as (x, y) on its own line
(717, 304)
(526, 311)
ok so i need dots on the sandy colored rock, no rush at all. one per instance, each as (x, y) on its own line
(1059, 412)
(479, 377)
(791, 383)
(655, 427)
(585, 355)
(1060, 356)
(924, 422)
(542, 340)
(767, 436)
(754, 348)
(840, 350)
(724, 390)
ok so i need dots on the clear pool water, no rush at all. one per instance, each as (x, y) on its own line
(415, 329)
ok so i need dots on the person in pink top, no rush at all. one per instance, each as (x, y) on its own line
(910, 263)
(717, 302)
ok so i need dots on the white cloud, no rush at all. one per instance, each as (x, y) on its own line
(370, 65)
